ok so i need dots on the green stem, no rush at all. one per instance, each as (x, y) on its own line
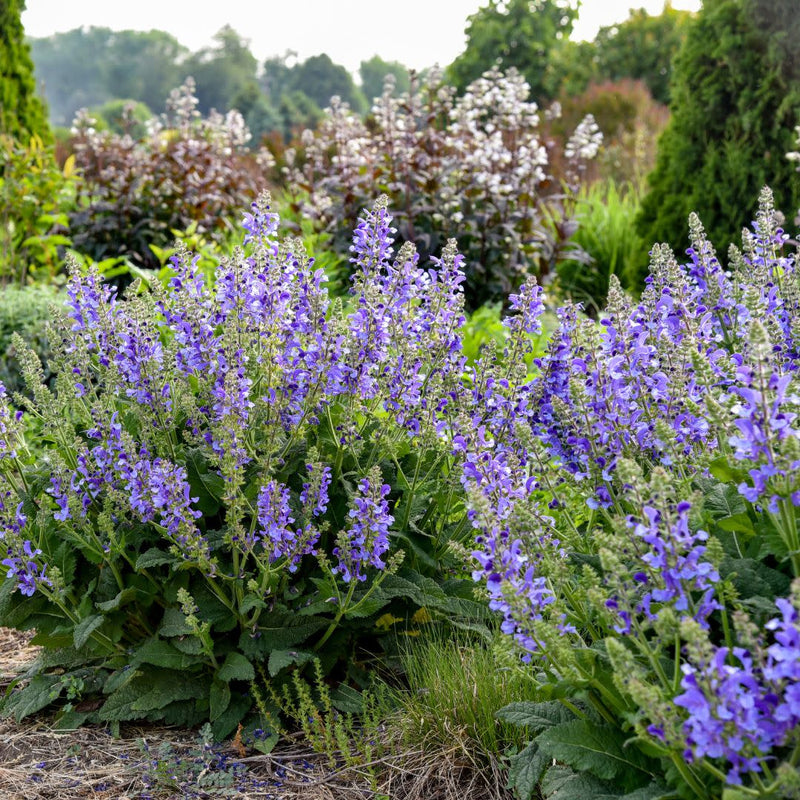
(338, 618)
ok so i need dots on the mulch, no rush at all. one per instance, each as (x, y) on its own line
(160, 763)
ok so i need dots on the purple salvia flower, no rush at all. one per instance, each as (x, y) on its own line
(367, 539)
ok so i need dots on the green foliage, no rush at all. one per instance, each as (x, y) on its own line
(185, 616)
(22, 113)
(222, 72)
(122, 117)
(344, 725)
(455, 685)
(142, 66)
(572, 756)
(320, 79)
(373, 74)
(36, 196)
(643, 47)
(26, 312)
(605, 214)
(514, 33)
(734, 107)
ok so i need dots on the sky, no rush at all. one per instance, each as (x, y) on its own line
(418, 33)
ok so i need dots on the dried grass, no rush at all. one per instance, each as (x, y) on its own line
(38, 762)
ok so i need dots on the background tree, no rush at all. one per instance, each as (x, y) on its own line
(643, 48)
(734, 108)
(135, 65)
(373, 73)
(514, 33)
(221, 72)
(21, 111)
(320, 78)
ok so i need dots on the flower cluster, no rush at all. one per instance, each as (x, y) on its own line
(187, 171)
(477, 163)
(366, 541)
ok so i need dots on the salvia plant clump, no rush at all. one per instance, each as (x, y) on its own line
(636, 509)
(238, 479)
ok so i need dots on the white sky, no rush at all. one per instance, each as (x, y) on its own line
(418, 33)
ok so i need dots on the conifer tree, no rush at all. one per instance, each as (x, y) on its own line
(735, 103)
(22, 113)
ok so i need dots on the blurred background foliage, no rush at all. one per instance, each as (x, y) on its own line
(697, 112)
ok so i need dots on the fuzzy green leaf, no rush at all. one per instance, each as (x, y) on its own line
(525, 770)
(280, 659)
(159, 692)
(173, 623)
(119, 706)
(599, 749)
(219, 699)
(226, 723)
(127, 595)
(83, 630)
(250, 602)
(279, 631)
(561, 783)
(236, 668)
(536, 716)
(721, 469)
(366, 608)
(39, 693)
(153, 558)
(723, 500)
(162, 654)
(347, 699)
(206, 485)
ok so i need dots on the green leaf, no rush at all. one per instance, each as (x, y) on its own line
(753, 578)
(207, 486)
(368, 607)
(33, 697)
(219, 699)
(158, 692)
(173, 623)
(250, 602)
(732, 793)
(536, 716)
(153, 558)
(279, 631)
(280, 659)
(737, 523)
(119, 678)
(236, 668)
(83, 630)
(561, 783)
(346, 699)
(721, 469)
(226, 723)
(64, 559)
(525, 770)
(599, 749)
(723, 500)
(124, 597)
(163, 654)
(119, 706)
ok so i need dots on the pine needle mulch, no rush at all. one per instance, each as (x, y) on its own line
(158, 763)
